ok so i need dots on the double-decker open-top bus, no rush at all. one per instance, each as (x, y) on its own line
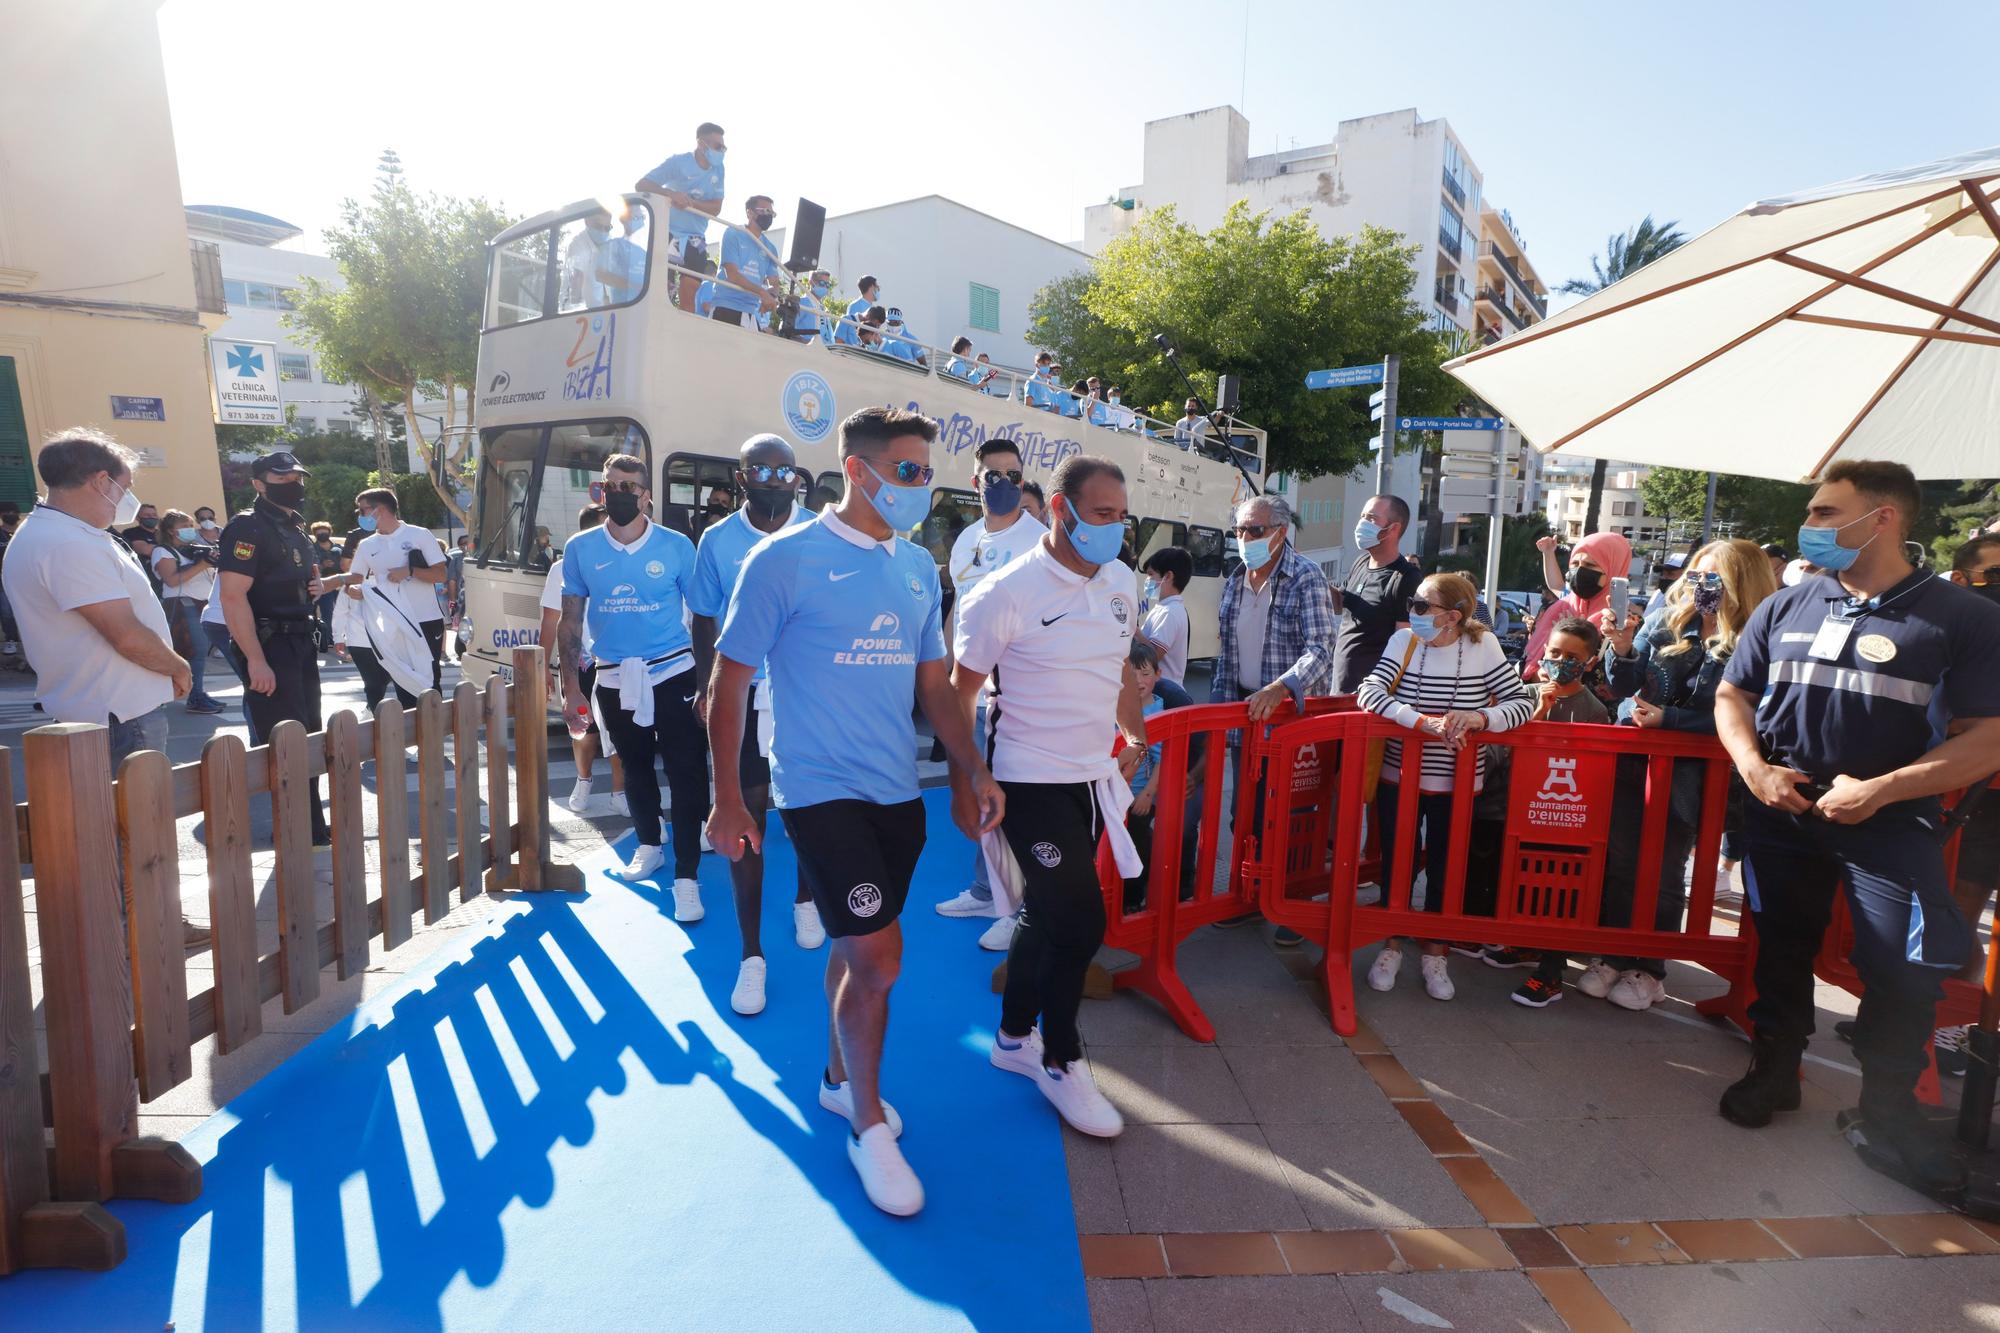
(575, 366)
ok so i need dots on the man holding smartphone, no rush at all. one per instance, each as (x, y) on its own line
(407, 563)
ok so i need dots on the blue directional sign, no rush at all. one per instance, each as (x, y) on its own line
(1449, 423)
(1336, 379)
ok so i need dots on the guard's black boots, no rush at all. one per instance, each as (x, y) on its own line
(1772, 1085)
(1901, 1144)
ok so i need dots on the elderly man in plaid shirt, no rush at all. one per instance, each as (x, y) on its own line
(1277, 616)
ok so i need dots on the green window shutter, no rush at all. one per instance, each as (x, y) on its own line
(985, 308)
(17, 467)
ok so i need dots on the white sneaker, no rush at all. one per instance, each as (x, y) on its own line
(839, 1099)
(965, 905)
(579, 796)
(748, 997)
(643, 863)
(1368, 895)
(1382, 976)
(1024, 1057)
(807, 928)
(999, 936)
(620, 805)
(687, 902)
(1597, 979)
(1437, 978)
(1637, 990)
(885, 1176)
(1074, 1094)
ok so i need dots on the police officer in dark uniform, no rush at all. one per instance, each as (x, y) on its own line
(270, 583)
(1827, 708)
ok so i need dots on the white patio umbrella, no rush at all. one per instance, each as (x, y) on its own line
(1861, 320)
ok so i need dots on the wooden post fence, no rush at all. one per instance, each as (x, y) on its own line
(120, 1020)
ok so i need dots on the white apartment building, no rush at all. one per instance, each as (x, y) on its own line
(1394, 170)
(1566, 488)
(951, 270)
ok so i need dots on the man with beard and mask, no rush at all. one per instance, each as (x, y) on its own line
(269, 590)
(1005, 530)
(767, 475)
(1374, 597)
(632, 577)
(1852, 702)
(143, 537)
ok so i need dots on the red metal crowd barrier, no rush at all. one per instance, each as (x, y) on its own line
(1180, 893)
(1551, 880)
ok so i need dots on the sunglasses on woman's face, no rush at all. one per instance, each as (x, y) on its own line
(1704, 579)
(1423, 606)
(907, 473)
(767, 474)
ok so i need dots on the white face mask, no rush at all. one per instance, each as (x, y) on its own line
(128, 508)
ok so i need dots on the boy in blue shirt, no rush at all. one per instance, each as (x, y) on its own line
(846, 618)
(767, 477)
(631, 577)
(692, 184)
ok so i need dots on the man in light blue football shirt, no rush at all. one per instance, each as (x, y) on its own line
(847, 616)
(631, 577)
(749, 267)
(692, 184)
(767, 477)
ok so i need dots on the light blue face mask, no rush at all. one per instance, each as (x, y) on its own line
(1097, 543)
(186, 534)
(1152, 590)
(1424, 627)
(901, 507)
(819, 289)
(366, 522)
(1821, 546)
(1367, 534)
(1257, 553)
(714, 155)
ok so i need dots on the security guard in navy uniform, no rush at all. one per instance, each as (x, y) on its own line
(1823, 708)
(270, 587)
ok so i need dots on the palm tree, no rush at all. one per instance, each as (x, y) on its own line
(1623, 256)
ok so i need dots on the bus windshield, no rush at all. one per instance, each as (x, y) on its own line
(534, 479)
(592, 260)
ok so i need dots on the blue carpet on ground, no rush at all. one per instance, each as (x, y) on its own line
(563, 1125)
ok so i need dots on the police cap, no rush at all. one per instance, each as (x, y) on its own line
(283, 460)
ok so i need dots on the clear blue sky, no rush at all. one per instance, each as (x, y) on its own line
(1583, 118)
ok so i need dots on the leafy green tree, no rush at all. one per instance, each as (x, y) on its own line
(1757, 508)
(1520, 558)
(405, 324)
(1265, 299)
(1623, 256)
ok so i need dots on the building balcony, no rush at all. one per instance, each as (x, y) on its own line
(1449, 244)
(1446, 299)
(1488, 250)
(206, 256)
(1489, 335)
(1498, 300)
(1454, 189)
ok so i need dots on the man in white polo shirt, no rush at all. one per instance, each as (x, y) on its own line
(405, 564)
(94, 633)
(1052, 631)
(1005, 530)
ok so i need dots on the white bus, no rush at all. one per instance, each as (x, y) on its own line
(573, 369)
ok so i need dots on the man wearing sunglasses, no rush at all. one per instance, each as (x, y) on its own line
(767, 477)
(1005, 530)
(1276, 615)
(631, 577)
(846, 617)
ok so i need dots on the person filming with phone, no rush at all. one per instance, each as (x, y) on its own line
(1597, 562)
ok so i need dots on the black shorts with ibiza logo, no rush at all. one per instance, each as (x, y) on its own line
(857, 858)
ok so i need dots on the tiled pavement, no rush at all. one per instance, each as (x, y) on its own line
(1479, 1165)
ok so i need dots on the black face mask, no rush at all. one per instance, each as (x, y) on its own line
(763, 219)
(290, 494)
(1588, 582)
(1989, 590)
(621, 507)
(766, 502)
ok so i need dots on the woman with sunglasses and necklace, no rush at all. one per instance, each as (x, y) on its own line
(1669, 666)
(1443, 676)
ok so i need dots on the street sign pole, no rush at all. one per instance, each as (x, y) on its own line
(1494, 523)
(1384, 460)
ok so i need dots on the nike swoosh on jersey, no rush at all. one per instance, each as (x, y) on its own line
(1052, 620)
(832, 577)
(605, 565)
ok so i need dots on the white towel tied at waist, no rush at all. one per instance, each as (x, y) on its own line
(635, 677)
(766, 723)
(1113, 797)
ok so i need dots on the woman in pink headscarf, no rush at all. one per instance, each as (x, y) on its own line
(1597, 559)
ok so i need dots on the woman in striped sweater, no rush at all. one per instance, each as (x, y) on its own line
(1442, 677)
